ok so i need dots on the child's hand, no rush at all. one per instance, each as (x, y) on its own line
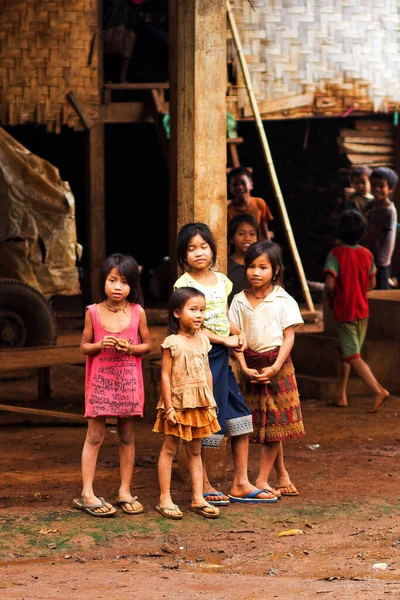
(242, 342)
(252, 374)
(266, 374)
(171, 417)
(108, 341)
(124, 346)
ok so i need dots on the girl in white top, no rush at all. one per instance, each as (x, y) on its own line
(268, 317)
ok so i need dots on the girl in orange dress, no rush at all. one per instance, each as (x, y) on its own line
(186, 409)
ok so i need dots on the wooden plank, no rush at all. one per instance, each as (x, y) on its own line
(40, 412)
(235, 141)
(282, 104)
(372, 124)
(375, 160)
(365, 149)
(382, 141)
(137, 86)
(368, 133)
(95, 209)
(156, 107)
(80, 109)
(35, 358)
(127, 112)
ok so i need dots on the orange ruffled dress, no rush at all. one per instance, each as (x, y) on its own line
(195, 407)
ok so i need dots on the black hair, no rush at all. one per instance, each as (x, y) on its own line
(129, 269)
(186, 233)
(236, 222)
(274, 253)
(385, 173)
(177, 302)
(352, 226)
(358, 171)
(239, 172)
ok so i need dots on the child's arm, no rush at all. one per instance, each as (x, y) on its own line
(145, 340)
(166, 368)
(288, 340)
(372, 282)
(330, 283)
(87, 346)
(252, 374)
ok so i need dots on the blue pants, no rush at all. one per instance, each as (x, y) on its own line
(233, 415)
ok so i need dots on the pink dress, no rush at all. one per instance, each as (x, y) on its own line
(114, 381)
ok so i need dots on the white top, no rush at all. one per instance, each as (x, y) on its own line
(215, 318)
(264, 325)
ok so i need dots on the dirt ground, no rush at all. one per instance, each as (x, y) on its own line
(348, 512)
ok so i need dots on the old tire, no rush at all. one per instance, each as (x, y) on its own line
(26, 317)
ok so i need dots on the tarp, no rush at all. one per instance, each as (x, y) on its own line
(38, 242)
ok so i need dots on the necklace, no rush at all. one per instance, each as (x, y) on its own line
(115, 310)
(258, 297)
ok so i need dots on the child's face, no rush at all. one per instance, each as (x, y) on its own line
(361, 184)
(245, 236)
(116, 287)
(380, 189)
(199, 254)
(260, 272)
(191, 315)
(240, 186)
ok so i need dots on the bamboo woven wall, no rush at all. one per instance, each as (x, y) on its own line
(45, 49)
(319, 57)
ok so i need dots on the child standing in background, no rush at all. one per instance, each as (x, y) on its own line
(114, 339)
(186, 410)
(361, 199)
(196, 255)
(268, 316)
(382, 224)
(349, 273)
(240, 184)
(243, 231)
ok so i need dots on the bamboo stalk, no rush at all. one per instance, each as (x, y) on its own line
(268, 159)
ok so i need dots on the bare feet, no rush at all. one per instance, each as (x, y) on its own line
(341, 402)
(378, 400)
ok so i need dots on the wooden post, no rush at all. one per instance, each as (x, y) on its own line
(95, 211)
(198, 117)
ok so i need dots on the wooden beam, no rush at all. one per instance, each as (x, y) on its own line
(38, 357)
(282, 104)
(198, 120)
(40, 412)
(137, 86)
(156, 108)
(80, 109)
(95, 210)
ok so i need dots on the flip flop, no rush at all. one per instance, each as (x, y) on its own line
(251, 498)
(216, 502)
(282, 487)
(209, 512)
(162, 510)
(123, 503)
(90, 508)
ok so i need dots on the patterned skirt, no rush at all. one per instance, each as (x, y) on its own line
(191, 423)
(275, 407)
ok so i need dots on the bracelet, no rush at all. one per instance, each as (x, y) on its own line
(168, 410)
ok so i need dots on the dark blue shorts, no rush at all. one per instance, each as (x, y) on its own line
(233, 415)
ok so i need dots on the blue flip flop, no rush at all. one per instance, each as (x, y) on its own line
(216, 502)
(251, 498)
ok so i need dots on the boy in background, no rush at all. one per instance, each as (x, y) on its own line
(361, 199)
(382, 223)
(240, 184)
(349, 273)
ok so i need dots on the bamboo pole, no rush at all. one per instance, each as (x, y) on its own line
(268, 160)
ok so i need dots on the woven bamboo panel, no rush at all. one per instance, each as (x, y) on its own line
(45, 47)
(345, 53)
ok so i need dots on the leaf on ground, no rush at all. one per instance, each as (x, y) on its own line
(47, 531)
(290, 532)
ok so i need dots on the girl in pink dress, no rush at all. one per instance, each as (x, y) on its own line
(114, 339)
